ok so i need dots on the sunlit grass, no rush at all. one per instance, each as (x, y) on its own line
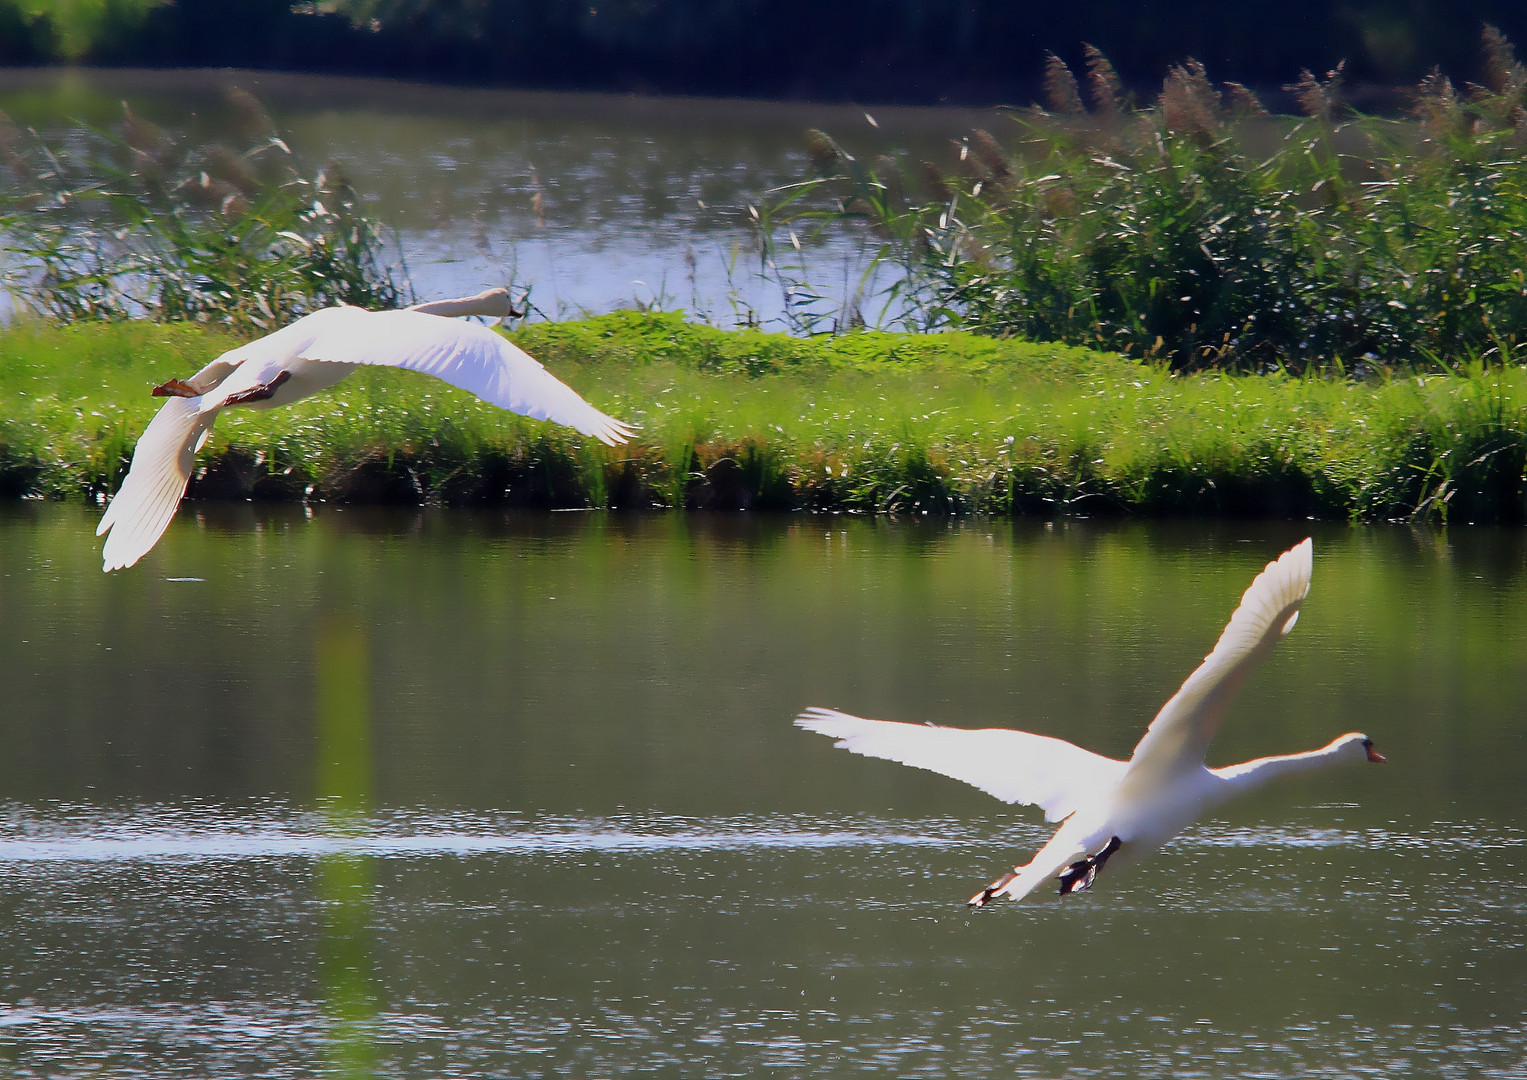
(948, 423)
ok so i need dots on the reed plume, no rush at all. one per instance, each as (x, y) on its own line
(1189, 103)
(1438, 107)
(1319, 98)
(1243, 102)
(824, 152)
(994, 164)
(1062, 94)
(1103, 83)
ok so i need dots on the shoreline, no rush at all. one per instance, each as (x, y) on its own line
(871, 423)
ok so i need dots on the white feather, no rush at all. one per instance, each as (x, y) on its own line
(1014, 766)
(161, 467)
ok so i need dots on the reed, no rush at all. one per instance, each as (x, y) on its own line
(138, 222)
(1201, 230)
(953, 423)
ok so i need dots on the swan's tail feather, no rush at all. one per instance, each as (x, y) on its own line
(143, 506)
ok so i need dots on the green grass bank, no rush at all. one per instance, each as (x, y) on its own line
(869, 422)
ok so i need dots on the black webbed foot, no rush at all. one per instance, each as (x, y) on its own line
(174, 388)
(1082, 873)
(264, 392)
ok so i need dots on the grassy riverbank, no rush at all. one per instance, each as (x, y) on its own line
(945, 423)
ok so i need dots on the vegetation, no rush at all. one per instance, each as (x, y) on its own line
(867, 422)
(1204, 231)
(139, 223)
(1201, 290)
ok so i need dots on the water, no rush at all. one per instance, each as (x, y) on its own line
(591, 201)
(431, 794)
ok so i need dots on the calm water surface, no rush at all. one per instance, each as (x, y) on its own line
(592, 201)
(443, 795)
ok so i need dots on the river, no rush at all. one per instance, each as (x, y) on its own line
(588, 201)
(447, 794)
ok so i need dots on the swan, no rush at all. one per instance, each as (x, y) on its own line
(1109, 809)
(312, 354)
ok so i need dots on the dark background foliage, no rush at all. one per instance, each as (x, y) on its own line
(914, 51)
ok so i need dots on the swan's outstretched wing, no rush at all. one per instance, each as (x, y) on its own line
(162, 462)
(1180, 734)
(464, 354)
(1014, 766)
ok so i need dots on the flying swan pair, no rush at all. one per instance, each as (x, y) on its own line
(1109, 810)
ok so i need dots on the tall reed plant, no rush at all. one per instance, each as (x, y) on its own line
(1200, 229)
(140, 223)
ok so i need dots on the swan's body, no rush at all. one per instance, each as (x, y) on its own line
(313, 354)
(1116, 812)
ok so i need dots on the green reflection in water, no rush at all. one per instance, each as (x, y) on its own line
(344, 881)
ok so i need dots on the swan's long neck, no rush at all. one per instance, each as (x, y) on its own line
(1255, 773)
(494, 304)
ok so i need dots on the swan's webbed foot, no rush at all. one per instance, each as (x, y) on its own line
(984, 897)
(1080, 875)
(175, 388)
(263, 392)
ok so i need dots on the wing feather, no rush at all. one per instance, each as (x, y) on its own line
(162, 461)
(466, 355)
(1179, 736)
(1014, 766)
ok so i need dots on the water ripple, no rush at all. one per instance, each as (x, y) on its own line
(159, 835)
(199, 833)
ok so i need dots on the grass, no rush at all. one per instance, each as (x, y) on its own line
(870, 422)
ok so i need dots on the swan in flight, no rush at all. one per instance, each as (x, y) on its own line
(1122, 810)
(312, 354)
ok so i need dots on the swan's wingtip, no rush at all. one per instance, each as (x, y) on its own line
(119, 554)
(1301, 556)
(111, 560)
(1294, 566)
(612, 432)
(815, 717)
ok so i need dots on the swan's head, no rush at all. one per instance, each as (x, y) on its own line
(495, 304)
(1356, 744)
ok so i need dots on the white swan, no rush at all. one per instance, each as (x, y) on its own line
(1116, 809)
(312, 354)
